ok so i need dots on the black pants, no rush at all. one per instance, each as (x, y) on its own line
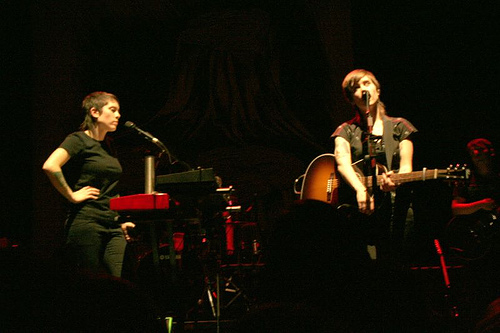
(95, 247)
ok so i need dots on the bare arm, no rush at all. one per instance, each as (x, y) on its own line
(344, 166)
(405, 165)
(406, 156)
(52, 168)
(459, 206)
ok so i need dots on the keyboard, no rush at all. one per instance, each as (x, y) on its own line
(194, 181)
(141, 202)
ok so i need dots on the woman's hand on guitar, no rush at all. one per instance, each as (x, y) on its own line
(366, 204)
(387, 183)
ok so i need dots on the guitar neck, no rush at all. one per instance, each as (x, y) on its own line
(414, 176)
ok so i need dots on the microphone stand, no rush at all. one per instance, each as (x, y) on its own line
(163, 149)
(153, 161)
(172, 160)
(371, 144)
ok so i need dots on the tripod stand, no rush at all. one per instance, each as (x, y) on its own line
(222, 292)
(223, 276)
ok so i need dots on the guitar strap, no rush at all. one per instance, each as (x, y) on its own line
(391, 145)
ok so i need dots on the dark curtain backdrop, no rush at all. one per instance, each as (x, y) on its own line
(226, 86)
(226, 107)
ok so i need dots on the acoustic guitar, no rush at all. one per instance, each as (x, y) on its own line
(321, 181)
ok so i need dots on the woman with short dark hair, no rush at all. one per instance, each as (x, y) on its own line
(86, 172)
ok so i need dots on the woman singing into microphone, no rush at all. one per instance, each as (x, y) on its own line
(372, 134)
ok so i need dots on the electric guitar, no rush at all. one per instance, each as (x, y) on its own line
(321, 181)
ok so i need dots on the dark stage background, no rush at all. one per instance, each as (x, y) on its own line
(251, 89)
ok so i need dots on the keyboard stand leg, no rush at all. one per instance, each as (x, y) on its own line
(154, 247)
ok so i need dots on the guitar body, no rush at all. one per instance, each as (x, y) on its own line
(470, 237)
(321, 181)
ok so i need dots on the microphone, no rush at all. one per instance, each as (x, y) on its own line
(145, 134)
(366, 96)
(366, 99)
(171, 158)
